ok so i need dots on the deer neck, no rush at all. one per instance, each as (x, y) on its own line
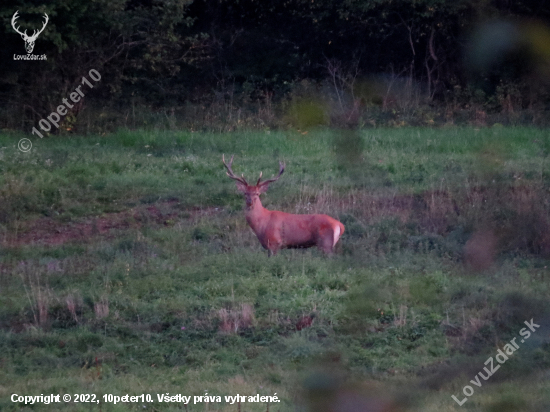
(256, 215)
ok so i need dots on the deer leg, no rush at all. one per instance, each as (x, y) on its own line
(272, 248)
(326, 246)
(325, 240)
(274, 242)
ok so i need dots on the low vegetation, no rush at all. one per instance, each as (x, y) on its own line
(126, 267)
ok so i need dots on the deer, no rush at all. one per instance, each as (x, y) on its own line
(29, 40)
(280, 230)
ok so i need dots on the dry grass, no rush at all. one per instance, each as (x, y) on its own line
(101, 308)
(74, 302)
(233, 320)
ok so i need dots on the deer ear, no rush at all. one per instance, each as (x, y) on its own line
(263, 187)
(241, 187)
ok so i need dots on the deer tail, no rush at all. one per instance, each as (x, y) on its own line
(337, 232)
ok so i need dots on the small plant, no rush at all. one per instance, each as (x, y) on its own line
(101, 308)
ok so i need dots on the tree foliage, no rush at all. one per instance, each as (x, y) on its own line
(167, 52)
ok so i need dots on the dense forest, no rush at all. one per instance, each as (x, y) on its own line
(222, 64)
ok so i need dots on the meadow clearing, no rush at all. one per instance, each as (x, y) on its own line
(127, 267)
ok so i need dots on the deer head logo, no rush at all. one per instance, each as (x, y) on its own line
(29, 40)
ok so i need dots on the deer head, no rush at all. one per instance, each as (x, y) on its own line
(29, 40)
(251, 192)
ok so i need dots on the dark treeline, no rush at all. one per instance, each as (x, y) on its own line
(180, 57)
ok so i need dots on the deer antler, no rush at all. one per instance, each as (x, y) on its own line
(273, 179)
(43, 27)
(34, 34)
(13, 19)
(230, 172)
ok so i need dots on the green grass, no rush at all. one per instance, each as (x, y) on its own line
(126, 267)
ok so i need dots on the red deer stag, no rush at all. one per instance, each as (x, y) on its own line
(279, 230)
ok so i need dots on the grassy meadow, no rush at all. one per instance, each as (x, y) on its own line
(127, 267)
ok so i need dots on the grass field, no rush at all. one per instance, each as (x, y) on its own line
(127, 267)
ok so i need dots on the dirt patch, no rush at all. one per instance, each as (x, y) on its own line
(49, 231)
